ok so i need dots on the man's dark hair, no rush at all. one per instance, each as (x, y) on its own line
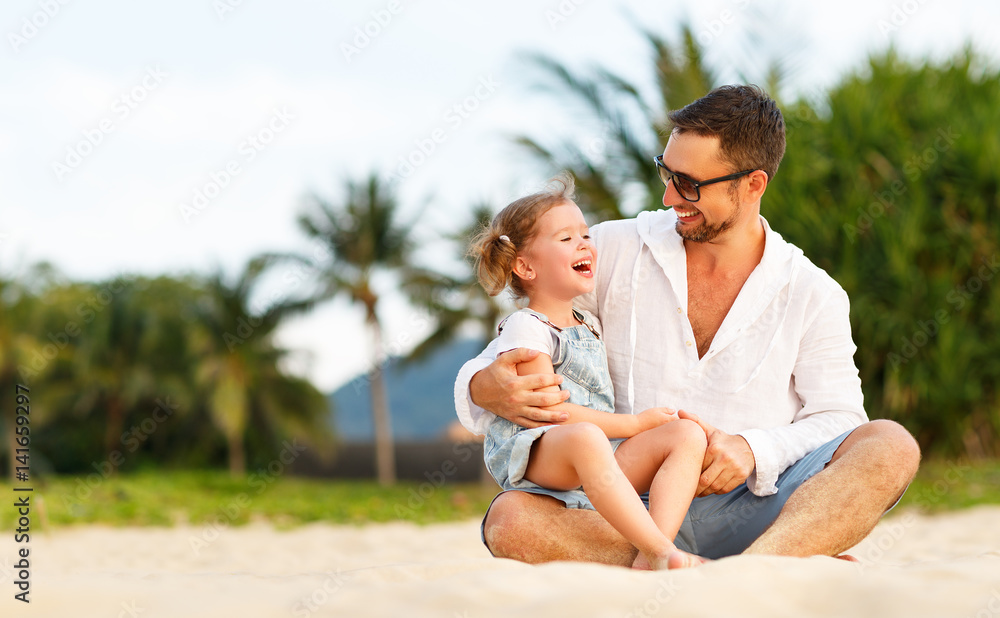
(746, 120)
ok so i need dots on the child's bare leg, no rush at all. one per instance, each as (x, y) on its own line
(579, 454)
(666, 461)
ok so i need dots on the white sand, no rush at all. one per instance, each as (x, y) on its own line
(946, 565)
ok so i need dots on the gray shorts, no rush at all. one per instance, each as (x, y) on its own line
(725, 525)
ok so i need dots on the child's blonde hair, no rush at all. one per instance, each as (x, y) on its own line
(498, 244)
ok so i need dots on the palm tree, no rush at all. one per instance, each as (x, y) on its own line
(363, 237)
(239, 371)
(897, 205)
(40, 331)
(130, 353)
(615, 170)
(112, 374)
(17, 347)
(635, 129)
(454, 301)
(901, 207)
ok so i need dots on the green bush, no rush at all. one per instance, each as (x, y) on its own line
(892, 187)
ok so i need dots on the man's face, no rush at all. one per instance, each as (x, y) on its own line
(719, 209)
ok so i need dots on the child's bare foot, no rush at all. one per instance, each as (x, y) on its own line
(640, 563)
(683, 560)
(672, 559)
(655, 562)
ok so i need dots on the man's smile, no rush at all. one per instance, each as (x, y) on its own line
(686, 215)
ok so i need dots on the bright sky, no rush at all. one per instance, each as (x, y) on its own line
(167, 137)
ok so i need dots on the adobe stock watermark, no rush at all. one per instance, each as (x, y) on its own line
(805, 111)
(991, 609)
(913, 169)
(260, 481)
(727, 368)
(899, 16)
(247, 324)
(131, 439)
(247, 151)
(562, 12)
(320, 596)
(33, 24)
(436, 479)
(58, 340)
(454, 117)
(653, 606)
(370, 30)
(224, 7)
(714, 27)
(121, 108)
(7, 571)
(958, 297)
(130, 609)
(593, 151)
(891, 531)
(398, 346)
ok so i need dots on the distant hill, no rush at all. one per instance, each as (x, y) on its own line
(421, 397)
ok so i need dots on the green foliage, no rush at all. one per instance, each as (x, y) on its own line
(454, 302)
(198, 498)
(237, 372)
(362, 236)
(943, 485)
(889, 183)
(118, 380)
(893, 190)
(613, 172)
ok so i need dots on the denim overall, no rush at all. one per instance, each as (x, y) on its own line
(579, 357)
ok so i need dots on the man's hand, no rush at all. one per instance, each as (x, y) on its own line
(728, 460)
(519, 399)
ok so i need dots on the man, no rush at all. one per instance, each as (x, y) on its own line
(704, 308)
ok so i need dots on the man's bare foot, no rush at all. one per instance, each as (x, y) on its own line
(683, 560)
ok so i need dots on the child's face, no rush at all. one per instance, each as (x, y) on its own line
(560, 259)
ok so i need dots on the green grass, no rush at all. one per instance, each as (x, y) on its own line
(169, 498)
(943, 485)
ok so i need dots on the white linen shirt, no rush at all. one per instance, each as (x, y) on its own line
(780, 371)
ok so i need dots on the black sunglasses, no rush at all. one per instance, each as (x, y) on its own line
(688, 188)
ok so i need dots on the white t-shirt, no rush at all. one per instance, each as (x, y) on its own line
(522, 329)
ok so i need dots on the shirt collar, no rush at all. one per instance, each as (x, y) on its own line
(773, 274)
(658, 232)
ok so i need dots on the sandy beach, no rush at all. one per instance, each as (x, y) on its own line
(912, 565)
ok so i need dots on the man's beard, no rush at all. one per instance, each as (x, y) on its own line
(705, 232)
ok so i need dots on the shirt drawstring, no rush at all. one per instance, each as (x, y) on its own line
(633, 327)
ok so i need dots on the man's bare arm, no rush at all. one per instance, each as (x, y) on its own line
(519, 399)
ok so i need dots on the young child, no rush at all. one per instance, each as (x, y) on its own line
(539, 246)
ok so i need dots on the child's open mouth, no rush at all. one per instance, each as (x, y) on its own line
(583, 266)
